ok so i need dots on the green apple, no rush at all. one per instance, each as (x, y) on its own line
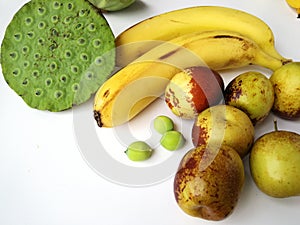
(224, 124)
(286, 83)
(275, 163)
(251, 92)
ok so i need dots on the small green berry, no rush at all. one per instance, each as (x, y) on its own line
(162, 124)
(138, 151)
(172, 140)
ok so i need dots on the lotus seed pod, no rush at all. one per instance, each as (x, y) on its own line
(138, 151)
(172, 140)
(253, 93)
(193, 90)
(162, 124)
(112, 5)
(56, 53)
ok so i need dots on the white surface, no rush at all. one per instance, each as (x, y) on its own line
(45, 180)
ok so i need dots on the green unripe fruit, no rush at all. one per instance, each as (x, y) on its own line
(172, 140)
(162, 124)
(138, 151)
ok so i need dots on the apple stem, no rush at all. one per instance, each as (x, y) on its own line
(275, 125)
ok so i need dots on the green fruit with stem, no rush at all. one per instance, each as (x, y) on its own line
(138, 151)
(275, 163)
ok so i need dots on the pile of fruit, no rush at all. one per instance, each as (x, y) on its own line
(56, 54)
(182, 61)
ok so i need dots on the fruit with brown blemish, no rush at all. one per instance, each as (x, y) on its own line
(209, 181)
(286, 83)
(224, 125)
(253, 93)
(193, 90)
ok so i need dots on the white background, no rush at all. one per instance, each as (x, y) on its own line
(45, 180)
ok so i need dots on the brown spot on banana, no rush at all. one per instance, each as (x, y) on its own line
(106, 93)
(228, 36)
(168, 54)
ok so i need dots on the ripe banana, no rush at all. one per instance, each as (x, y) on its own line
(138, 84)
(172, 24)
(294, 4)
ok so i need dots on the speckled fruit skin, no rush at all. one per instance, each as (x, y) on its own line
(210, 192)
(193, 90)
(253, 93)
(275, 163)
(286, 83)
(224, 124)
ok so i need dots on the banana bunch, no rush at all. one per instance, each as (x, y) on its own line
(294, 4)
(132, 42)
(217, 37)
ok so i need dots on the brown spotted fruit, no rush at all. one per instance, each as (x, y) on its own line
(193, 90)
(251, 92)
(209, 181)
(286, 83)
(224, 125)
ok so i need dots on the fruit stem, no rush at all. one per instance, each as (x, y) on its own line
(275, 125)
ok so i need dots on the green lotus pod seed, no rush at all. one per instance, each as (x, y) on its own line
(162, 124)
(52, 45)
(138, 151)
(172, 140)
(112, 5)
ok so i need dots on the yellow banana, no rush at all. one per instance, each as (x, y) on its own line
(138, 84)
(295, 4)
(172, 24)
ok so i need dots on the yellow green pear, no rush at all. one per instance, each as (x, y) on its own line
(275, 163)
(286, 83)
(253, 93)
